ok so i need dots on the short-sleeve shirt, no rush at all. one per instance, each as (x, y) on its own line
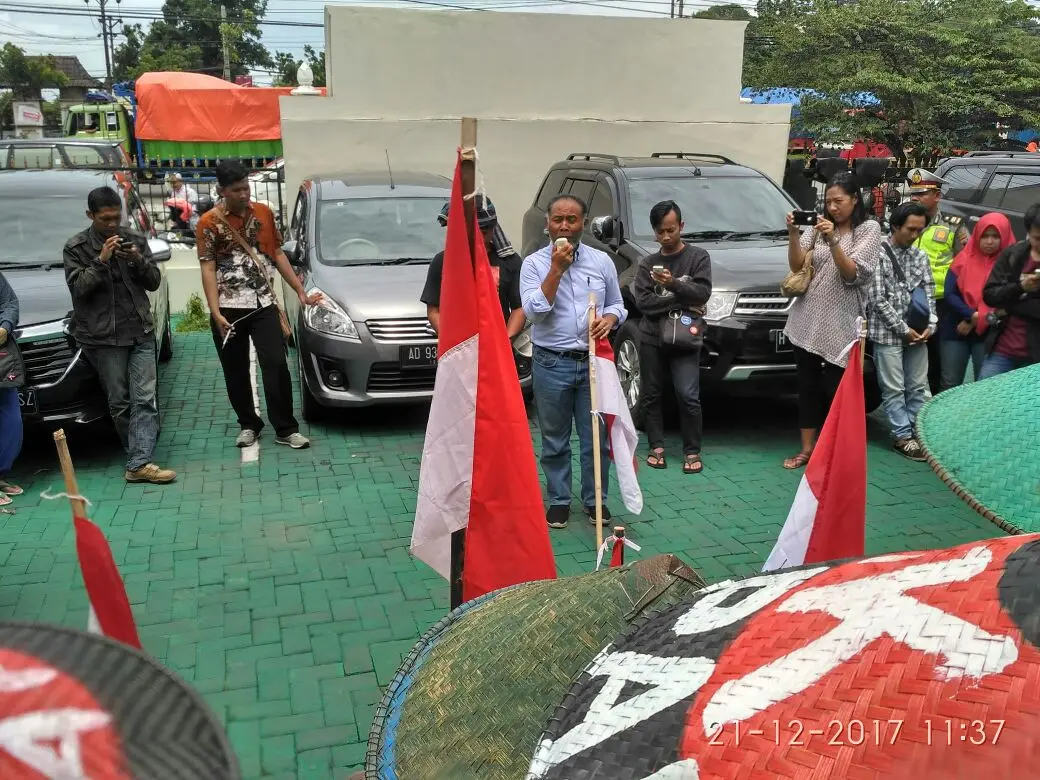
(240, 283)
(823, 321)
(504, 270)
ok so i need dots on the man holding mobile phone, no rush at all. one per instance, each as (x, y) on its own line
(110, 271)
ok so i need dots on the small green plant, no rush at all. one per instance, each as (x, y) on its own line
(195, 318)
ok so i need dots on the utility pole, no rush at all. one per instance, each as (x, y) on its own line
(108, 35)
(672, 13)
(680, 9)
(224, 42)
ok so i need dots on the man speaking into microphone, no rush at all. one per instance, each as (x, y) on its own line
(555, 284)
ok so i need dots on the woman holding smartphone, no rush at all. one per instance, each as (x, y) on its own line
(843, 248)
(672, 286)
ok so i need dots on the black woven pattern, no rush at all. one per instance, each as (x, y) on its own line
(167, 730)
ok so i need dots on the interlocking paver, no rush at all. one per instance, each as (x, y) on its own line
(284, 591)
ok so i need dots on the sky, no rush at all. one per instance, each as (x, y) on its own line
(48, 31)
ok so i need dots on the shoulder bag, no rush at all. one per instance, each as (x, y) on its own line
(796, 283)
(283, 321)
(918, 315)
(12, 367)
(682, 329)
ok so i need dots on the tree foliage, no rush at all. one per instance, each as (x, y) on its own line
(286, 65)
(945, 72)
(26, 76)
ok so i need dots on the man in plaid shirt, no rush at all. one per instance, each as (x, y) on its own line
(901, 353)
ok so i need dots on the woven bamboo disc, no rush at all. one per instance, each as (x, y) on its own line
(475, 692)
(912, 666)
(78, 705)
(983, 439)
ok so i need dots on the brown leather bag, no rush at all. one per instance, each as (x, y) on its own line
(283, 320)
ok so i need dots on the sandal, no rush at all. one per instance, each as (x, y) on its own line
(9, 489)
(693, 464)
(797, 461)
(5, 499)
(655, 459)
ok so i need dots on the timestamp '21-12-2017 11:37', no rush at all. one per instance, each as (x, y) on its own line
(854, 732)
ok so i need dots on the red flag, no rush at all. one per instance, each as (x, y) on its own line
(109, 606)
(828, 518)
(617, 555)
(478, 468)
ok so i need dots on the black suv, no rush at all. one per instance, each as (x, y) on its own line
(980, 182)
(734, 212)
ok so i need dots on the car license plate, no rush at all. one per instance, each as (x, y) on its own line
(419, 356)
(27, 400)
(780, 341)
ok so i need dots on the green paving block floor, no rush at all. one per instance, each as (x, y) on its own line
(283, 590)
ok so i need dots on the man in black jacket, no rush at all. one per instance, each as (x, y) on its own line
(110, 271)
(1014, 287)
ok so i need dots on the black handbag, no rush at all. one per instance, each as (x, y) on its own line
(682, 329)
(918, 315)
(12, 367)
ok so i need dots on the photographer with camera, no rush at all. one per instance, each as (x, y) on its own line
(110, 271)
(837, 256)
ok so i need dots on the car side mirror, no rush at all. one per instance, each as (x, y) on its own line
(607, 230)
(161, 251)
(292, 251)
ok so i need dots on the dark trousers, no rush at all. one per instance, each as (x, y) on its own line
(818, 382)
(262, 326)
(935, 384)
(686, 380)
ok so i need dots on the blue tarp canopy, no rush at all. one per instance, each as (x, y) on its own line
(793, 96)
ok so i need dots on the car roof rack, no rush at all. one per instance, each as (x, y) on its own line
(1000, 154)
(695, 156)
(595, 156)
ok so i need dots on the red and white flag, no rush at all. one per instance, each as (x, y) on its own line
(110, 613)
(478, 468)
(828, 518)
(622, 437)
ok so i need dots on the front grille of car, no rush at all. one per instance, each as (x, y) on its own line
(759, 304)
(410, 329)
(46, 361)
(391, 378)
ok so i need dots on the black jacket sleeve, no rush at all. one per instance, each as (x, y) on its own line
(85, 274)
(145, 271)
(8, 306)
(696, 290)
(1003, 289)
(644, 290)
(431, 294)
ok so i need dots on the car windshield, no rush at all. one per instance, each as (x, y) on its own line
(371, 231)
(35, 229)
(712, 204)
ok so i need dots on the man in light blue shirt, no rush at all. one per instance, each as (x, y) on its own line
(555, 284)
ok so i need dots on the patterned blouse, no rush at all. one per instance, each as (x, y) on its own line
(823, 321)
(239, 281)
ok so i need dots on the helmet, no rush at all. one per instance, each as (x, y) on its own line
(487, 218)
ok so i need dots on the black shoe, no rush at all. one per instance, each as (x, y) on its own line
(590, 511)
(556, 516)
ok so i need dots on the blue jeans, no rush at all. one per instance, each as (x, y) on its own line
(996, 364)
(954, 355)
(128, 378)
(562, 394)
(10, 428)
(903, 375)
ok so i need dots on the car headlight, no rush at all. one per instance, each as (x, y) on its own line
(720, 305)
(328, 317)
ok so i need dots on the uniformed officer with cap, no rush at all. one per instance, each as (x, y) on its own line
(943, 238)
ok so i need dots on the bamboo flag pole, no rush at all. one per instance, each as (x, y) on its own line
(596, 458)
(862, 343)
(79, 507)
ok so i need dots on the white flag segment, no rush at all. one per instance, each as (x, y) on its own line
(622, 437)
(446, 471)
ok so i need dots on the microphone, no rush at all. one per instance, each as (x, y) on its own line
(561, 242)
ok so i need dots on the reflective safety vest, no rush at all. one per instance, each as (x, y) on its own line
(937, 241)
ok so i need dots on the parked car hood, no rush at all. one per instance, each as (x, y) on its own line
(372, 292)
(42, 294)
(742, 264)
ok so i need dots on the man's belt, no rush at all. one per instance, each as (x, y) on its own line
(572, 354)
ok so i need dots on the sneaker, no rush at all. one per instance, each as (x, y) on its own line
(246, 438)
(590, 512)
(295, 440)
(149, 472)
(556, 516)
(909, 448)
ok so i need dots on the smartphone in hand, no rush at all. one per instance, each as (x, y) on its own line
(805, 218)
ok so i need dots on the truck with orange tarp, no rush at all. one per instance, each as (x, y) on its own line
(184, 122)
